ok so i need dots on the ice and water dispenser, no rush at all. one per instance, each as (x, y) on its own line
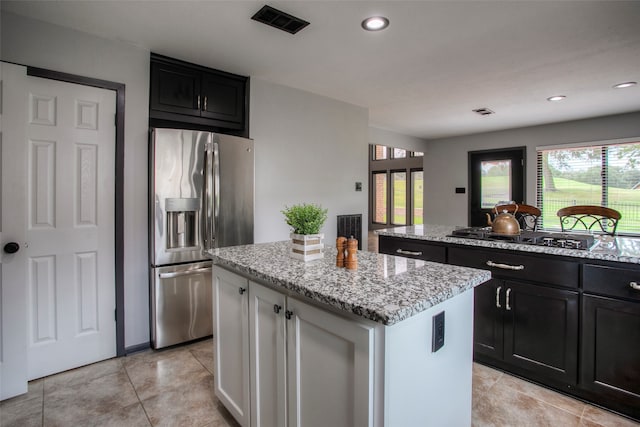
(182, 222)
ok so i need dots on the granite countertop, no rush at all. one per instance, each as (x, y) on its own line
(385, 288)
(618, 249)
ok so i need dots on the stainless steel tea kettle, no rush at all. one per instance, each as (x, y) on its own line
(504, 223)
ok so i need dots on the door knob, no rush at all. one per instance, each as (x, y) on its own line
(11, 247)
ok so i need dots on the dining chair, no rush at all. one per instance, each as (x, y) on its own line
(591, 218)
(527, 215)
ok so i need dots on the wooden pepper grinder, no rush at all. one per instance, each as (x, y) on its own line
(351, 262)
(341, 246)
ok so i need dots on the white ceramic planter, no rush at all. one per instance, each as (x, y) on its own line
(307, 247)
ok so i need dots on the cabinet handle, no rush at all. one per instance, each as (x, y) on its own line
(498, 297)
(198, 102)
(277, 308)
(288, 314)
(507, 306)
(505, 266)
(634, 285)
(404, 252)
(205, 103)
(242, 290)
(184, 273)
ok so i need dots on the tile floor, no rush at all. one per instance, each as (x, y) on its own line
(174, 387)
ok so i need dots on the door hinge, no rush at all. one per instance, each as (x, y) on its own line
(115, 315)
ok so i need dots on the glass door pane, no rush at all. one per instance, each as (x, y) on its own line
(416, 196)
(495, 183)
(399, 207)
(380, 198)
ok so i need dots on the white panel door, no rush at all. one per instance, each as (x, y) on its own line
(13, 296)
(67, 163)
(231, 335)
(268, 356)
(329, 369)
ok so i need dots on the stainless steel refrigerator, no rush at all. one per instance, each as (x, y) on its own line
(201, 197)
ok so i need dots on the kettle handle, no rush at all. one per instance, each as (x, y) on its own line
(516, 209)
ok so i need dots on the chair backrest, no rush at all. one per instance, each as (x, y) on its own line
(592, 218)
(526, 215)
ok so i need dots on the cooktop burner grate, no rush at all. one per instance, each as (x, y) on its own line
(538, 238)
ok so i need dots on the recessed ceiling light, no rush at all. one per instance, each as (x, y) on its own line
(556, 98)
(375, 23)
(623, 85)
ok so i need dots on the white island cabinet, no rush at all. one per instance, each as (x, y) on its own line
(296, 346)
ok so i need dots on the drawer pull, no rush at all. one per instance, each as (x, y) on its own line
(634, 285)
(507, 306)
(498, 296)
(505, 266)
(404, 252)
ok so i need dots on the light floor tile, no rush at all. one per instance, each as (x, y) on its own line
(174, 387)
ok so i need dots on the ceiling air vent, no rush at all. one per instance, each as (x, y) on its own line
(483, 111)
(280, 20)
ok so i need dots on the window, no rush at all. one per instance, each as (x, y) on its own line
(399, 207)
(606, 175)
(380, 152)
(399, 153)
(417, 195)
(396, 187)
(380, 197)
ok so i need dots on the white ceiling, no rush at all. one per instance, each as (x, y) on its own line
(422, 76)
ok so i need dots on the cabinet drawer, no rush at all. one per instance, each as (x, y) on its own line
(518, 266)
(611, 281)
(411, 249)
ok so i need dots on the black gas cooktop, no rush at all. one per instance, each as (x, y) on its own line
(538, 238)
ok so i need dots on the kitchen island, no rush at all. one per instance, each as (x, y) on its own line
(313, 344)
(565, 318)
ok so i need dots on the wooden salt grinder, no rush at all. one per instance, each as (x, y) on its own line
(341, 245)
(351, 262)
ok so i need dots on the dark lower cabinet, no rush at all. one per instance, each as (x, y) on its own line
(571, 324)
(528, 326)
(611, 352)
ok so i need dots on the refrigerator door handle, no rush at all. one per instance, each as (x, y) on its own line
(204, 224)
(215, 196)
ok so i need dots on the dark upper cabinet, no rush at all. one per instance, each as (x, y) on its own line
(222, 98)
(186, 93)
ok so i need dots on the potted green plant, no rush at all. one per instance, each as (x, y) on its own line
(306, 220)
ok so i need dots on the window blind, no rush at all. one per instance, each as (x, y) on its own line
(605, 175)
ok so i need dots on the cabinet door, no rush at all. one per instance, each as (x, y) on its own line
(223, 99)
(330, 369)
(611, 352)
(541, 330)
(268, 361)
(174, 89)
(487, 318)
(231, 337)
